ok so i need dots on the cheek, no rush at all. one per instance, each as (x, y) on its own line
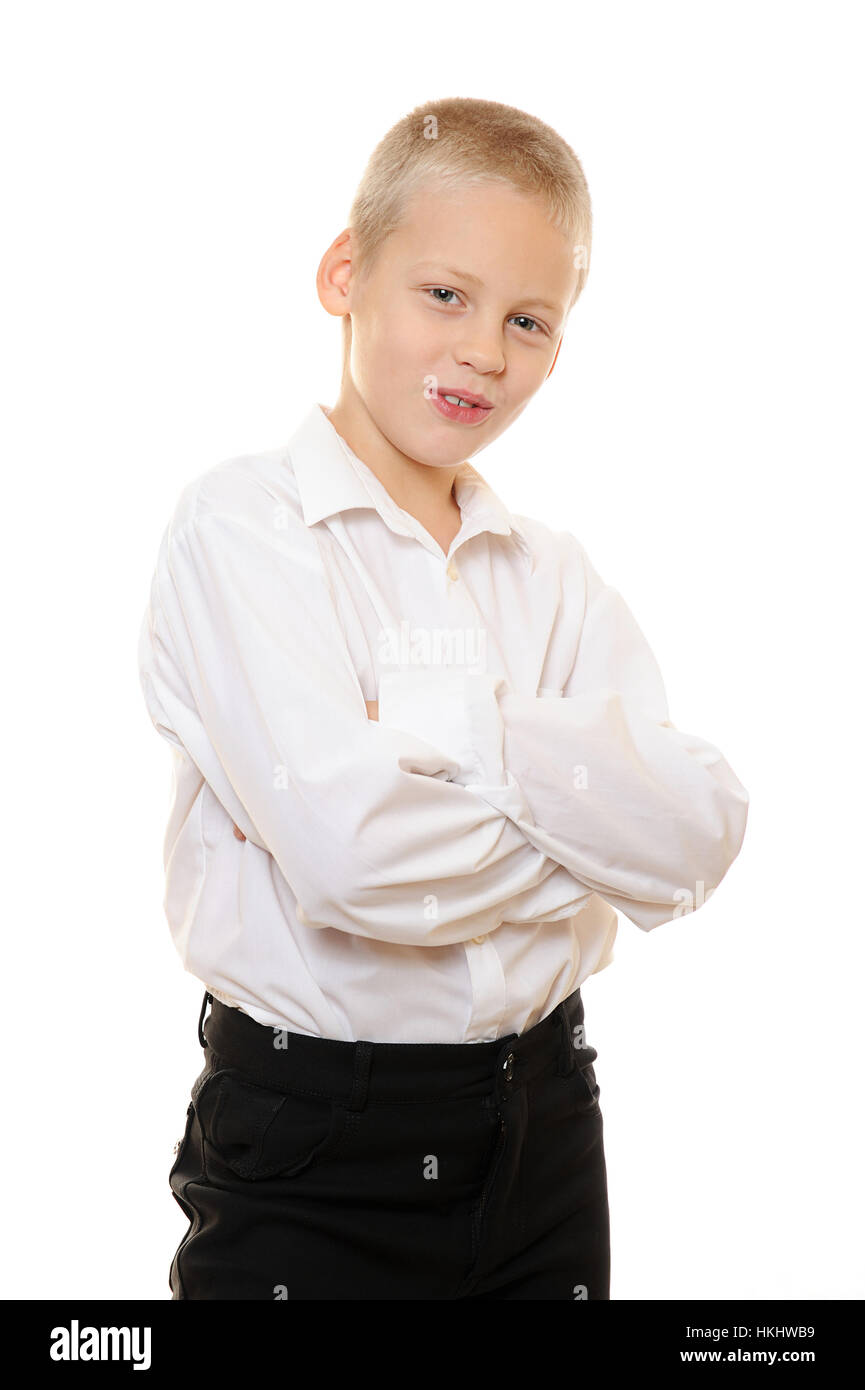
(390, 335)
(405, 347)
(528, 371)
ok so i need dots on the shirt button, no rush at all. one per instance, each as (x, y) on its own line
(508, 1067)
(453, 572)
(479, 940)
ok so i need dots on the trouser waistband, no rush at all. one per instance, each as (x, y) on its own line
(355, 1073)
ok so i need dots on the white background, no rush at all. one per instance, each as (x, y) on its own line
(172, 174)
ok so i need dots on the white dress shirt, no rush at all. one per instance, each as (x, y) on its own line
(451, 872)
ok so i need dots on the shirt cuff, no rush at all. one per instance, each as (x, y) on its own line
(456, 711)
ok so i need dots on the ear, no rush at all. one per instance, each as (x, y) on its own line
(333, 278)
(553, 363)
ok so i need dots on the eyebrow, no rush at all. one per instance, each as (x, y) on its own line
(476, 280)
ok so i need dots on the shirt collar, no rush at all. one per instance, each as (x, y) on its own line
(331, 478)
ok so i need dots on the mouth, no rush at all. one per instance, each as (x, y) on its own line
(460, 407)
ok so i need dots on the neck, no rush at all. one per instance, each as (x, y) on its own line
(421, 490)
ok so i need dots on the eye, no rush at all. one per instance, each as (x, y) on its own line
(526, 319)
(440, 289)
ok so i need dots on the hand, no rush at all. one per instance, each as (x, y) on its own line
(372, 713)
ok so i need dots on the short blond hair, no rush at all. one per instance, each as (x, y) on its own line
(465, 140)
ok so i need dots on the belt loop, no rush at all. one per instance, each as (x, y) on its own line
(208, 999)
(360, 1081)
(567, 1060)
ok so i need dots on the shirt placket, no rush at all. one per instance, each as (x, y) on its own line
(489, 989)
(486, 972)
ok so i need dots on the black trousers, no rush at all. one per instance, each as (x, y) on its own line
(317, 1169)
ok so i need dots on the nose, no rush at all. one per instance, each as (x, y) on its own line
(480, 349)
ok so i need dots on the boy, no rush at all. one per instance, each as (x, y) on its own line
(422, 753)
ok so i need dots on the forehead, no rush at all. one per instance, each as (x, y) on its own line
(483, 234)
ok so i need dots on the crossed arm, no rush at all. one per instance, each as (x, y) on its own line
(370, 808)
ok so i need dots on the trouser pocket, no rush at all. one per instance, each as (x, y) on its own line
(259, 1131)
(586, 1089)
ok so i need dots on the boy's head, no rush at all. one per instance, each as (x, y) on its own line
(468, 244)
